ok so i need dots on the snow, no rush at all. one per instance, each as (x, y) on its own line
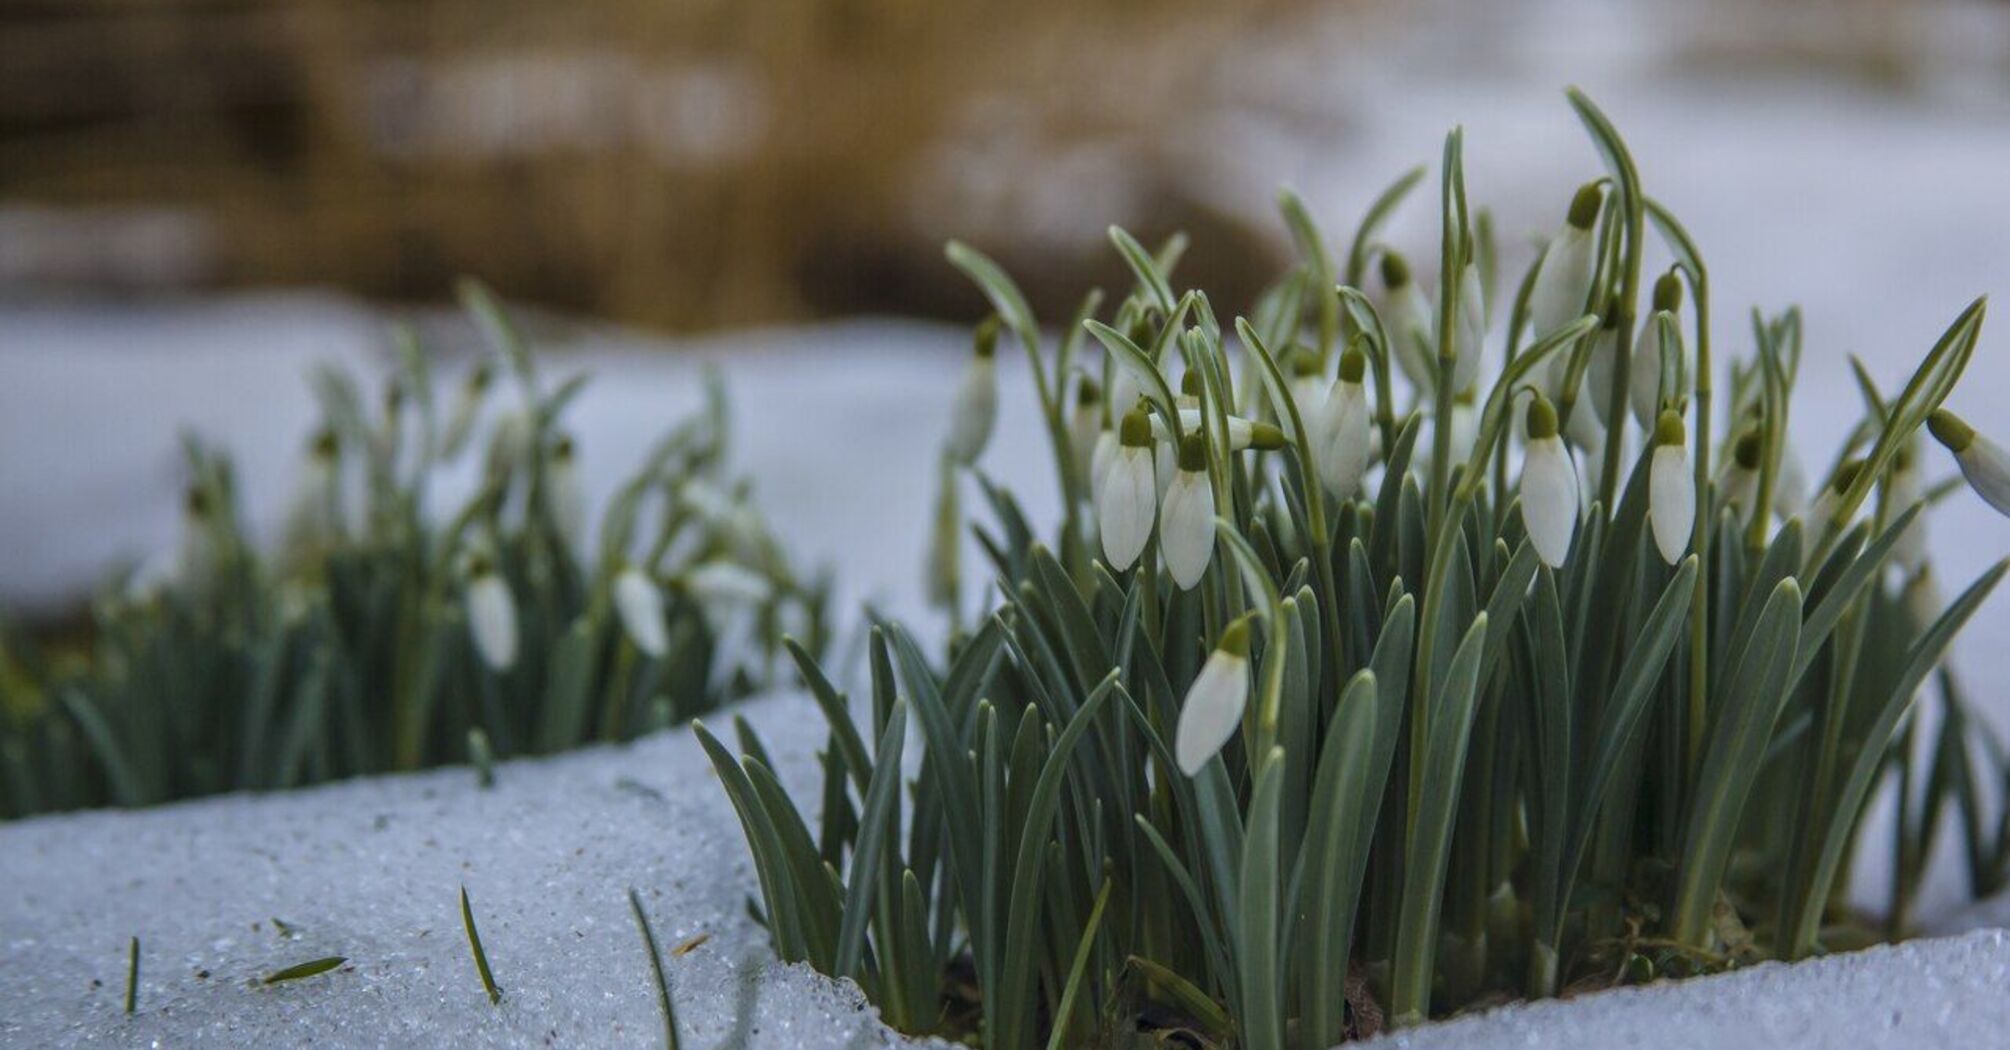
(371, 870)
(1933, 993)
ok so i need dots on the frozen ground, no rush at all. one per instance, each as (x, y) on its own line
(370, 870)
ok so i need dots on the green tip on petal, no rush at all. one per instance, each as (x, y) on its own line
(1541, 418)
(1584, 205)
(1846, 475)
(1235, 639)
(561, 450)
(987, 336)
(324, 443)
(482, 376)
(1089, 392)
(1668, 429)
(1746, 451)
(1304, 363)
(1190, 384)
(1949, 430)
(1136, 429)
(196, 502)
(1265, 437)
(1395, 270)
(1192, 453)
(1668, 292)
(1353, 365)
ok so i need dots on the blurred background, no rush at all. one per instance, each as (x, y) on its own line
(199, 198)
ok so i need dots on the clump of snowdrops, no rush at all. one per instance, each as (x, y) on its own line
(383, 635)
(1396, 652)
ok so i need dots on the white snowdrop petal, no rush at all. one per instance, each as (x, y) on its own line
(1987, 469)
(568, 502)
(640, 605)
(1345, 440)
(1549, 499)
(1472, 328)
(1671, 501)
(492, 620)
(1909, 551)
(1100, 459)
(1646, 375)
(1124, 506)
(1212, 711)
(1410, 316)
(1561, 285)
(1186, 528)
(724, 583)
(975, 411)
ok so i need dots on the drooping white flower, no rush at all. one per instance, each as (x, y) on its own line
(1908, 487)
(1549, 493)
(1213, 708)
(1186, 518)
(509, 446)
(1308, 391)
(1126, 501)
(1739, 479)
(491, 615)
(640, 605)
(1471, 327)
(1649, 347)
(720, 585)
(1922, 599)
(1465, 426)
(1100, 460)
(461, 420)
(1982, 461)
(1345, 438)
(1671, 488)
(1085, 423)
(1406, 313)
(975, 408)
(314, 518)
(568, 497)
(1790, 483)
(1821, 515)
(1242, 432)
(198, 557)
(1595, 388)
(1563, 282)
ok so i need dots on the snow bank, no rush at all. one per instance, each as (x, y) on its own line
(371, 870)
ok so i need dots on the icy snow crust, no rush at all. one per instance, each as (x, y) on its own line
(371, 870)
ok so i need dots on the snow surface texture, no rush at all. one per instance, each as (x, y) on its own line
(1935, 993)
(371, 870)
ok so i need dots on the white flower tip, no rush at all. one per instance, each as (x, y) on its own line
(492, 619)
(640, 605)
(1213, 708)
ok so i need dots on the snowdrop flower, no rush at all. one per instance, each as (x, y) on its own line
(1922, 599)
(1564, 280)
(315, 516)
(1471, 327)
(1587, 420)
(1790, 483)
(568, 500)
(1344, 437)
(1549, 496)
(640, 604)
(509, 446)
(1242, 433)
(1125, 501)
(491, 615)
(1099, 460)
(1982, 461)
(1465, 424)
(976, 406)
(1671, 488)
(723, 585)
(1085, 425)
(1307, 390)
(1407, 315)
(1739, 480)
(1214, 703)
(1647, 351)
(461, 421)
(196, 560)
(1186, 518)
(1907, 487)
(1821, 515)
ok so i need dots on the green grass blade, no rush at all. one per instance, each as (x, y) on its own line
(306, 969)
(475, 945)
(663, 999)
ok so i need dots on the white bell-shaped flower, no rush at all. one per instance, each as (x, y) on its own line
(1790, 483)
(314, 518)
(1213, 708)
(1671, 488)
(200, 554)
(1127, 499)
(1922, 599)
(1739, 478)
(1345, 437)
(1982, 461)
(1471, 326)
(640, 604)
(1085, 424)
(1186, 518)
(1308, 391)
(1563, 282)
(1099, 460)
(975, 409)
(1406, 314)
(491, 615)
(568, 495)
(719, 585)
(1549, 493)
(1242, 432)
(1648, 350)
(1908, 487)
(1595, 389)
